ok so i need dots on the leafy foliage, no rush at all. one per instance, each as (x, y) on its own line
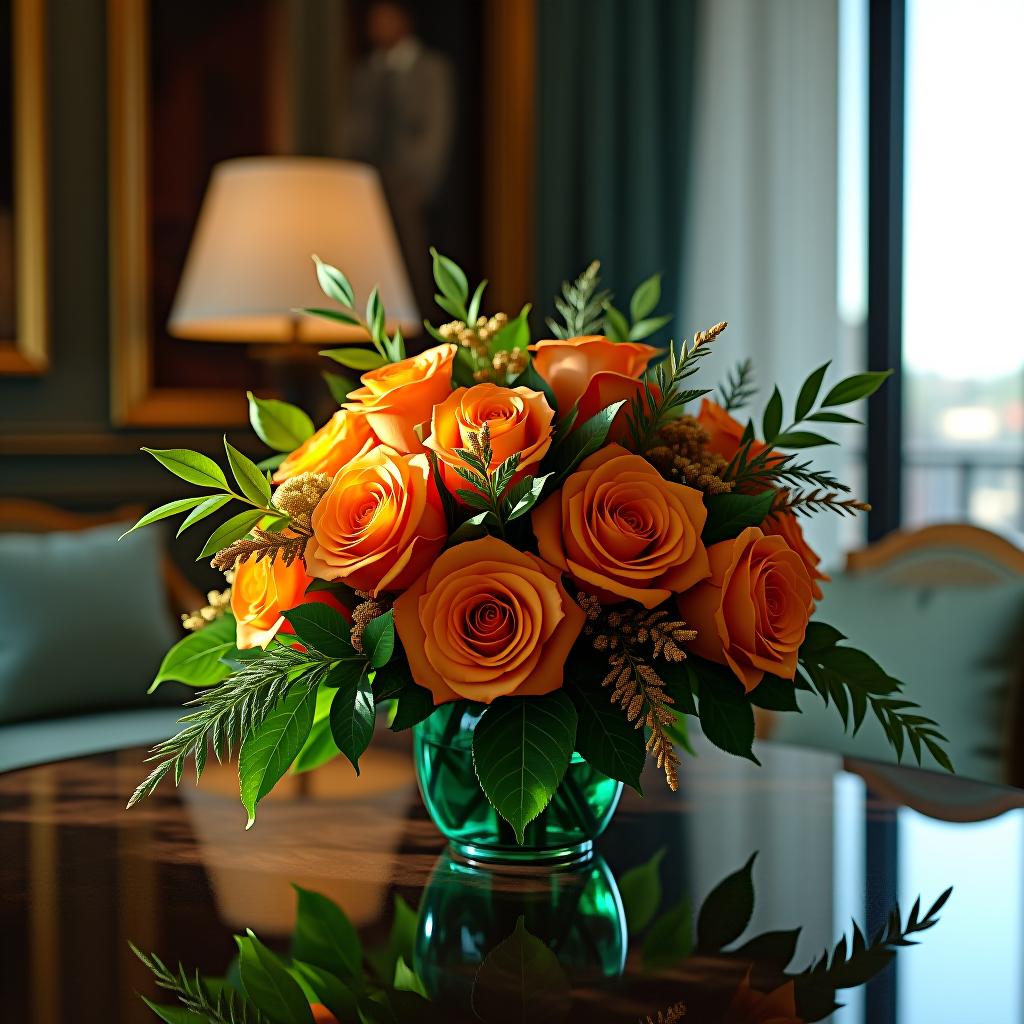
(640, 324)
(278, 425)
(581, 305)
(197, 659)
(604, 737)
(739, 387)
(853, 682)
(725, 711)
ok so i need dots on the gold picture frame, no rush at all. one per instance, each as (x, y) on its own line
(28, 352)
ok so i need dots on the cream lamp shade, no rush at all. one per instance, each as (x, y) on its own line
(250, 263)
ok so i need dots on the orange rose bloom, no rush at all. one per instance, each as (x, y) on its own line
(622, 531)
(263, 590)
(344, 436)
(571, 365)
(519, 421)
(380, 523)
(787, 526)
(398, 397)
(487, 621)
(752, 613)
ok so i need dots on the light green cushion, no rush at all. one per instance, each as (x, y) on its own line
(83, 621)
(957, 649)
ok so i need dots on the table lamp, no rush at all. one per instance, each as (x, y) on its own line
(250, 263)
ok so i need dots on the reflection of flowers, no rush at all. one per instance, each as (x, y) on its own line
(749, 1006)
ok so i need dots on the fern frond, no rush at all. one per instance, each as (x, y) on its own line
(581, 305)
(739, 387)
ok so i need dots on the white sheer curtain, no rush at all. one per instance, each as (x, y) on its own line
(763, 228)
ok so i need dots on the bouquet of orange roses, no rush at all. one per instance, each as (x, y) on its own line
(532, 552)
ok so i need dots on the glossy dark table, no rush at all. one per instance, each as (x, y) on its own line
(835, 840)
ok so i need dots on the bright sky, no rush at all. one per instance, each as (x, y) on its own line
(964, 187)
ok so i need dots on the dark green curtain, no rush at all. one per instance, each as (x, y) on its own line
(614, 111)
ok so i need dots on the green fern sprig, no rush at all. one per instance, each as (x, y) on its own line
(739, 387)
(581, 305)
(227, 1006)
(662, 399)
(488, 486)
(228, 712)
(804, 503)
(772, 468)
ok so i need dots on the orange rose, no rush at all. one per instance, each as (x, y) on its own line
(262, 591)
(752, 613)
(519, 421)
(724, 431)
(787, 526)
(571, 365)
(380, 523)
(749, 1006)
(622, 531)
(344, 436)
(487, 621)
(398, 397)
(605, 389)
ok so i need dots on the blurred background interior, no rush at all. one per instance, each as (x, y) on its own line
(839, 179)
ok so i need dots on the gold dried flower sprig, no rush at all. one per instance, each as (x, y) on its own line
(629, 638)
(476, 337)
(683, 456)
(217, 603)
(368, 608)
(297, 497)
(670, 1015)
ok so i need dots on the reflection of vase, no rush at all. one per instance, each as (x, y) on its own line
(467, 912)
(578, 812)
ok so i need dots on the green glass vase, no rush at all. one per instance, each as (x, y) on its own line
(565, 929)
(564, 832)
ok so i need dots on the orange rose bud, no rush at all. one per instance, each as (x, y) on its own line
(380, 523)
(571, 364)
(321, 1015)
(622, 531)
(344, 436)
(263, 590)
(787, 526)
(752, 613)
(518, 419)
(399, 397)
(487, 621)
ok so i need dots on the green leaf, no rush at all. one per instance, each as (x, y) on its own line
(268, 983)
(451, 280)
(252, 483)
(860, 385)
(515, 334)
(330, 314)
(338, 386)
(175, 1014)
(352, 718)
(318, 749)
(809, 391)
(645, 298)
(474, 303)
(640, 890)
(333, 283)
(774, 694)
(727, 910)
(584, 440)
(772, 950)
(616, 325)
(196, 659)
(801, 439)
(820, 636)
(730, 514)
(415, 704)
(521, 980)
(726, 716)
(670, 940)
(771, 423)
(831, 417)
(472, 529)
(322, 628)
(190, 466)
(531, 379)
(355, 358)
(451, 306)
(402, 939)
(328, 988)
(267, 752)
(379, 639)
(375, 317)
(200, 512)
(524, 495)
(604, 738)
(521, 748)
(170, 509)
(645, 328)
(271, 462)
(228, 532)
(325, 937)
(406, 979)
(279, 425)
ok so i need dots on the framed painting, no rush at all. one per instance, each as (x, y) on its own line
(190, 84)
(24, 316)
